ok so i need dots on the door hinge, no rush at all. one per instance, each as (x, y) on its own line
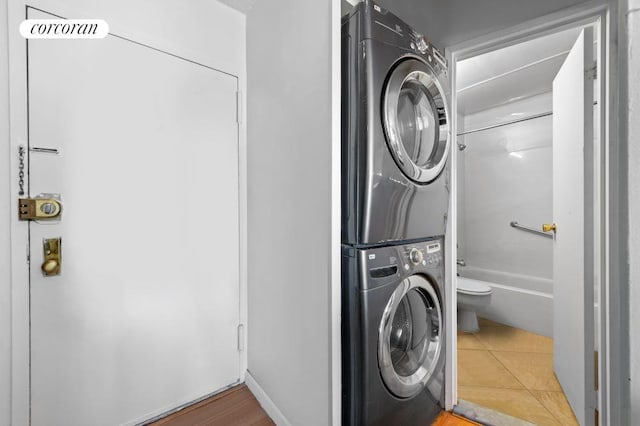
(591, 73)
(594, 400)
(596, 371)
(240, 337)
(239, 107)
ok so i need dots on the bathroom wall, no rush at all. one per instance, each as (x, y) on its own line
(461, 191)
(508, 177)
(290, 206)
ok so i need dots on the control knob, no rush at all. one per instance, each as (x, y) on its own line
(416, 256)
(421, 44)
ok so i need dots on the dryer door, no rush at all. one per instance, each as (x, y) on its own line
(410, 337)
(415, 120)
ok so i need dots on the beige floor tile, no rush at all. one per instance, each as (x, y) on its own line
(534, 371)
(468, 341)
(516, 403)
(505, 338)
(480, 368)
(557, 405)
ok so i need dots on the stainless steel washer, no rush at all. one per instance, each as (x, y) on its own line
(393, 334)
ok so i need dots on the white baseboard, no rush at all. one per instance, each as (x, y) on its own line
(266, 402)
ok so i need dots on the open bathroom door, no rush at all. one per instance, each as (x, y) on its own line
(573, 189)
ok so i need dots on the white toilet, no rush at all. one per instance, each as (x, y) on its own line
(472, 295)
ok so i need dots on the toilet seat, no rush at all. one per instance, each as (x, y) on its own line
(473, 287)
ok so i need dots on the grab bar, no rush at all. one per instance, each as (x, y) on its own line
(515, 224)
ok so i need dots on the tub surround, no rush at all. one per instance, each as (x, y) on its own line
(506, 176)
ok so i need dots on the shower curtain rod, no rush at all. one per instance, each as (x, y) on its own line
(506, 123)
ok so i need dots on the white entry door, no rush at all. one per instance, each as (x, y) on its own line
(573, 189)
(144, 315)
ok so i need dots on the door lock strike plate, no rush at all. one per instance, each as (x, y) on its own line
(39, 208)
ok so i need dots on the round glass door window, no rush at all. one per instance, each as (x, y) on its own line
(410, 337)
(415, 121)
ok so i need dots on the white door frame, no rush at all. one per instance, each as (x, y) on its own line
(19, 285)
(604, 18)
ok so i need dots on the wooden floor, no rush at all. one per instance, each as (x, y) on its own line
(236, 406)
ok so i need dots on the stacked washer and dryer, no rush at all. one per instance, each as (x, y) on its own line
(395, 198)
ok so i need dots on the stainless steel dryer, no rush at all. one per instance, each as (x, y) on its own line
(395, 131)
(393, 352)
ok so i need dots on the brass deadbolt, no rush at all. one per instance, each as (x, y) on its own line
(39, 208)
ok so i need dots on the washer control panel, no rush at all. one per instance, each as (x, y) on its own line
(385, 265)
(427, 254)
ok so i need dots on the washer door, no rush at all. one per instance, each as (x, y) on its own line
(410, 337)
(415, 120)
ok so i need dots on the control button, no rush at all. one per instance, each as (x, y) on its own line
(416, 256)
(413, 45)
(406, 266)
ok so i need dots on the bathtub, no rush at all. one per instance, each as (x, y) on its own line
(520, 301)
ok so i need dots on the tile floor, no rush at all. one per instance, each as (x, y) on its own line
(511, 371)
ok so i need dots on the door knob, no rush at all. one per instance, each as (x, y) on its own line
(50, 267)
(52, 248)
(547, 227)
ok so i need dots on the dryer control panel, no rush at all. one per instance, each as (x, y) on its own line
(382, 25)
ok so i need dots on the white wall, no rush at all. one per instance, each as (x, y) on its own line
(633, 56)
(289, 165)
(191, 30)
(5, 202)
(461, 246)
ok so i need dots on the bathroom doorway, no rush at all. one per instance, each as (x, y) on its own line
(527, 225)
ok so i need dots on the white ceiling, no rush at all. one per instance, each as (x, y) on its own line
(241, 5)
(512, 73)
